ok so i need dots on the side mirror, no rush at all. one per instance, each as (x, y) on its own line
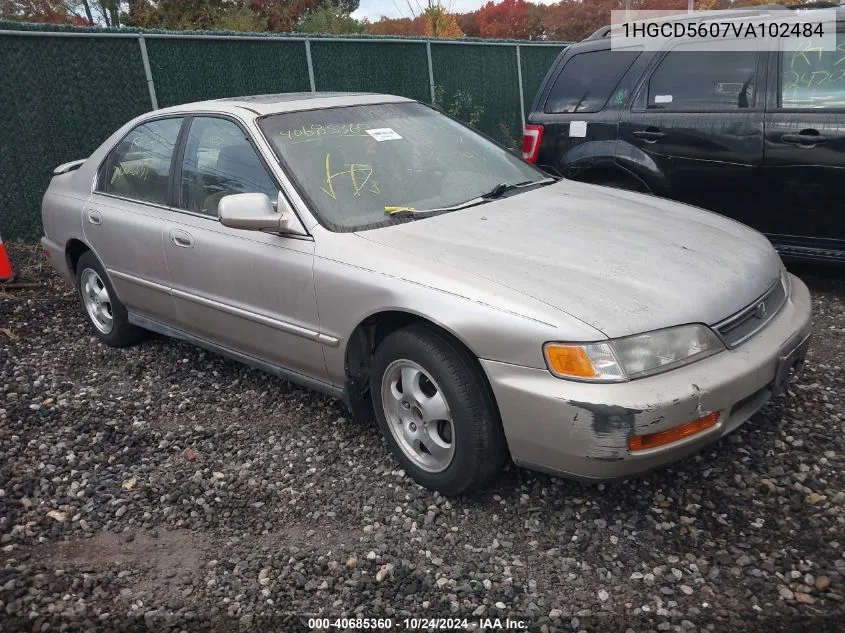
(256, 212)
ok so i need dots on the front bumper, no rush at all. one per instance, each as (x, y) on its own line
(580, 430)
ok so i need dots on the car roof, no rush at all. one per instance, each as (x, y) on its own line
(284, 102)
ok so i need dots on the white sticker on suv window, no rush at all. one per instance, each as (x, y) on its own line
(384, 134)
(578, 129)
(663, 98)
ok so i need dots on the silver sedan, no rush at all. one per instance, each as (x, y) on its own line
(375, 249)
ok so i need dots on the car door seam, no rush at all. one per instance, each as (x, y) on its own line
(278, 324)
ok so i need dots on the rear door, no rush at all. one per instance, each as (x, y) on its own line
(694, 131)
(581, 105)
(125, 218)
(804, 167)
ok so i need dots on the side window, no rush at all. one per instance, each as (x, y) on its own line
(587, 80)
(703, 80)
(813, 79)
(139, 167)
(220, 161)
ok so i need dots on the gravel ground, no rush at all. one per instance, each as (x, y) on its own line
(165, 488)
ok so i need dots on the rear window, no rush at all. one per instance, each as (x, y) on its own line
(587, 80)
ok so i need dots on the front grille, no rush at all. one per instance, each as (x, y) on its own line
(740, 327)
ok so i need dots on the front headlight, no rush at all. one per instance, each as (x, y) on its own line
(632, 356)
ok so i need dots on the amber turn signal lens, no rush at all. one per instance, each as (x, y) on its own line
(653, 440)
(570, 360)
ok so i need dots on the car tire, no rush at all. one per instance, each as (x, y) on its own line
(105, 313)
(445, 429)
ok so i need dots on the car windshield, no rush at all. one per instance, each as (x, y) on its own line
(367, 166)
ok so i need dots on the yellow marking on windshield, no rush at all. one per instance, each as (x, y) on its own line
(392, 210)
(329, 180)
(353, 172)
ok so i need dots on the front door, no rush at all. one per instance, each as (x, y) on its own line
(804, 165)
(696, 125)
(248, 291)
(125, 218)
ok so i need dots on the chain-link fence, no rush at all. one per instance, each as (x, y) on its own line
(63, 90)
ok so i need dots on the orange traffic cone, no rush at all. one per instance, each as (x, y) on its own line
(6, 273)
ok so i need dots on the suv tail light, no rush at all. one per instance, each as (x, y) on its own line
(531, 137)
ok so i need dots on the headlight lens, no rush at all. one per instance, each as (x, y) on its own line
(632, 356)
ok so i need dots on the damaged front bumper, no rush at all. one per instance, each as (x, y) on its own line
(581, 430)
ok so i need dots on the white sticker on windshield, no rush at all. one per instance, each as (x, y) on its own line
(578, 129)
(384, 134)
(663, 98)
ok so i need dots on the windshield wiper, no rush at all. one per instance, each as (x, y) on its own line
(496, 192)
(503, 187)
(404, 211)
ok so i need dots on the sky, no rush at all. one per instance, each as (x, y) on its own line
(374, 9)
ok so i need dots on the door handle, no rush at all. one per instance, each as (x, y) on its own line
(94, 216)
(181, 238)
(650, 135)
(807, 138)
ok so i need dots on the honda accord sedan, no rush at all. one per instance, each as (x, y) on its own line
(372, 248)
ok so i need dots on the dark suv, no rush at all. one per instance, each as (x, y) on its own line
(758, 136)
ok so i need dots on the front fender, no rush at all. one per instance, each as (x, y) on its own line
(492, 322)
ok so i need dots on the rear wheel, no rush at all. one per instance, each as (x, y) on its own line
(106, 314)
(436, 411)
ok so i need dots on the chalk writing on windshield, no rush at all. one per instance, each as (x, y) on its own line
(361, 177)
(318, 131)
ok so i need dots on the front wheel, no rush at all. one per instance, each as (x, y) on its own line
(436, 411)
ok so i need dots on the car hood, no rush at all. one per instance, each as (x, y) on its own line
(620, 261)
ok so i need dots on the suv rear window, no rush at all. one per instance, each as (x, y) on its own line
(587, 80)
(813, 79)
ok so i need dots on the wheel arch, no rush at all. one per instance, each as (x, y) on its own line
(365, 338)
(74, 249)
(605, 173)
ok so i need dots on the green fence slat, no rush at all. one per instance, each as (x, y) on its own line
(536, 61)
(392, 68)
(488, 76)
(195, 70)
(60, 98)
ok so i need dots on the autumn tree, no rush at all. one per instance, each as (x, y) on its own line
(330, 18)
(397, 26)
(177, 15)
(515, 19)
(468, 23)
(236, 15)
(282, 15)
(439, 23)
(45, 11)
